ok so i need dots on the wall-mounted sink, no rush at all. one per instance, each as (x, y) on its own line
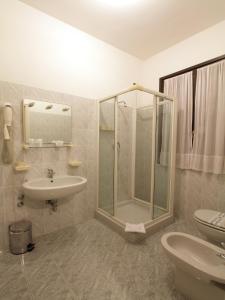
(53, 188)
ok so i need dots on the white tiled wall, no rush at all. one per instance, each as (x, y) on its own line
(194, 190)
(75, 209)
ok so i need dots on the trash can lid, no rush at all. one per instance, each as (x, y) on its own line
(20, 226)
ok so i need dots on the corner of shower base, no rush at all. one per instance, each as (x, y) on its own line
(133, 237)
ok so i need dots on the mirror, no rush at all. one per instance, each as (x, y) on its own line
(46, 124)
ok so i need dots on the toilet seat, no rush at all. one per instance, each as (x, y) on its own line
(205, 216)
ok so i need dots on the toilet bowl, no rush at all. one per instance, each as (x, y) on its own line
(211, 223)
(200, 266)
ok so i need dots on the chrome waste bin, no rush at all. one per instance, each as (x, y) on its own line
(20, 237)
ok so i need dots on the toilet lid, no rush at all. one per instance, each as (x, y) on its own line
(205, 215)
(212, 218)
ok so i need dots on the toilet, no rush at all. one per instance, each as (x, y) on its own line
(211, 223)
(200, 266)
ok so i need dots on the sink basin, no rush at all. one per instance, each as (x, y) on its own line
(53, 188)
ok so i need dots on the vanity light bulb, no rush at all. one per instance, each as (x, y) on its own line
(49, 107)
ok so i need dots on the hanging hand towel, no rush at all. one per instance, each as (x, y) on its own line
(6, 133)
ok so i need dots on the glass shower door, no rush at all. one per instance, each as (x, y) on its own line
(143, 153)
(106, 155)
(162, 172)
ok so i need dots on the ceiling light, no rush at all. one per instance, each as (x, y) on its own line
(119, 2)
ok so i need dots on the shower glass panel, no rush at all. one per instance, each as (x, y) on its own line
(134, 144)
(124, 135)
(106, 155)
(143, 153)
(124, 148)
(162, 157)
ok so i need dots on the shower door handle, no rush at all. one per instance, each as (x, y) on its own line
(118, 146)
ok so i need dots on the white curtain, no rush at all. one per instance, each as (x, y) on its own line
(180, 88)
(209, 136)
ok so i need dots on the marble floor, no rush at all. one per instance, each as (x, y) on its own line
(90, 262)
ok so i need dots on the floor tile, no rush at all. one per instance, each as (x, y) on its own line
(91, 262)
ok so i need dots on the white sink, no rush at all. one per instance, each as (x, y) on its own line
(53, 188)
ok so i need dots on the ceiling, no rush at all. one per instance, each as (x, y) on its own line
(141, 28)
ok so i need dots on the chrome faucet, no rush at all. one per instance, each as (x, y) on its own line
(51, 173)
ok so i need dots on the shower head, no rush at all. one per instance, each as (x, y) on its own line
(31, 104)
(123, 102)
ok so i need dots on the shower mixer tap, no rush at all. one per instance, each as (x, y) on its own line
(123, 102)
(118, 146)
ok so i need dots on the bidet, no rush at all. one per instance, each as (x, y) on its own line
(200, 267)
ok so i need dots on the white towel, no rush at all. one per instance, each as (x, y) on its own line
(140, 228)
(58, 143)
(7, 113)
(6, 133)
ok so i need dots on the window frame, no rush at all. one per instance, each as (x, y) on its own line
(192, 69)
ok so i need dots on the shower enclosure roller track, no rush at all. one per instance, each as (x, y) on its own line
(153, 224)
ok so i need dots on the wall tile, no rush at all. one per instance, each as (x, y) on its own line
(71, 211)
(195, 190)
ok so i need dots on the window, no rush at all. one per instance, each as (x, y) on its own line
(192, 69)
(200, 91)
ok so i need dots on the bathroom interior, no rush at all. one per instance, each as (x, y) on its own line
(112, 149)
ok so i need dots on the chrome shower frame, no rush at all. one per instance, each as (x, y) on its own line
(167, 218)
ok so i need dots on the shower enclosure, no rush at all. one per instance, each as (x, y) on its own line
(136, 158)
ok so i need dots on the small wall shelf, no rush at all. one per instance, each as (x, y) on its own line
(104, 128)
(74, 163)
(27, 146)
(21, 166)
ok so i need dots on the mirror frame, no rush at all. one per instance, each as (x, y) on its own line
(26, 145)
